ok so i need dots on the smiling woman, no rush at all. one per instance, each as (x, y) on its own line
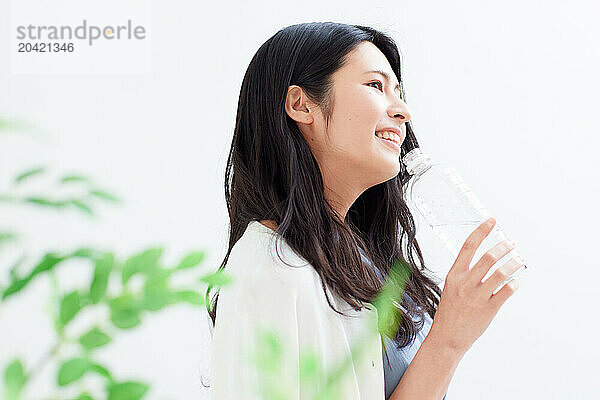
(315, 165)
(352, 158)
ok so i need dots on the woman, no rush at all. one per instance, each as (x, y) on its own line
(314, 190)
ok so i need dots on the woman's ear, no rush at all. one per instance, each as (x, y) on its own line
(297, 105)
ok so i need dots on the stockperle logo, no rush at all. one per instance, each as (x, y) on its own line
(84, 31)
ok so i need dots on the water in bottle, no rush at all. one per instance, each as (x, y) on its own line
(451, 209)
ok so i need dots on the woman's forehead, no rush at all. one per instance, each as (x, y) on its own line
(366, 57)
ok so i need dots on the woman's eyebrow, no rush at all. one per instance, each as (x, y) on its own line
(385, 75)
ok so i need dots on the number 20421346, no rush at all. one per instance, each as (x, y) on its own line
(26, 47)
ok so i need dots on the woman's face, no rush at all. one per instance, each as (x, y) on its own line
(351, 157)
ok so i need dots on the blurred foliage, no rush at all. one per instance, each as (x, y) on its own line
(81, 202)
(126, 310)
(126, 307)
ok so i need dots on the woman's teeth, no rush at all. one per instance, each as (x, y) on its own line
(393, 136)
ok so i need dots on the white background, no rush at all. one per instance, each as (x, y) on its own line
(506, 92)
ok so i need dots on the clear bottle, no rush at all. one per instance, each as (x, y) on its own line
(451, 209)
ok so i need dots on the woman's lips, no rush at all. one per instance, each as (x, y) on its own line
(389, 143)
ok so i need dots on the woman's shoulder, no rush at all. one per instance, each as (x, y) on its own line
(264, 287)
(262, 247)
(261, 260)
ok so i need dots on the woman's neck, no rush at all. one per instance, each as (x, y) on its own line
(269, 224)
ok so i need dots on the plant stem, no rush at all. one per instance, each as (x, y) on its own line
(40, 364)
(61, 339)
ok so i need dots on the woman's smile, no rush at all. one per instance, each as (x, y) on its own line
(390, 139)
(389, 143)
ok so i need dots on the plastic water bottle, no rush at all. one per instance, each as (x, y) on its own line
(451, 209)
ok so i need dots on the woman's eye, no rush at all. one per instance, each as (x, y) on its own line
(376, 82)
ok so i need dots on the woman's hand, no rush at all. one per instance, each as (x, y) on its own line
(467, 305)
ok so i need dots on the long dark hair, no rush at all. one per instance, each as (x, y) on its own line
(271, 174)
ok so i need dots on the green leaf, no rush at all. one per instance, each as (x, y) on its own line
(14, 287)
(125, 311)
(99, 369)
(310, 366)
(125, 301)
(13, 273)
(84, 252)
(69, 307)
(218, 278)
(269, 351)
(127, 391)
(189, 296)
(142, 262)
(104, 195)
(74, 178)
(14, 379)
(27, 174)
(156, 290)
(125, 319)
(94, 338)
(82, 206)
(389, 316)
(84, 396)
(191, 260)
(72, 370)
(7, 237)
(48, 262)
(45, 202)
(102, 269)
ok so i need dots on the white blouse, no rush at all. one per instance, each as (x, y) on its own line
(289, 300)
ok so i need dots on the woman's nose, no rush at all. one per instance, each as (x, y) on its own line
(400, 111)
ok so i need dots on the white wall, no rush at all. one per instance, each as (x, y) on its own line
(507, 92)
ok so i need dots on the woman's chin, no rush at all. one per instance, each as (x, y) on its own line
(390, 172)
(395, 171)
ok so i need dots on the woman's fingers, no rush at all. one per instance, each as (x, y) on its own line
(502, 274)
(463, 260)
(489, 258)
(467, 305)
(503, 294)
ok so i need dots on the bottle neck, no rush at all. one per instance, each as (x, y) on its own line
(416, 161)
